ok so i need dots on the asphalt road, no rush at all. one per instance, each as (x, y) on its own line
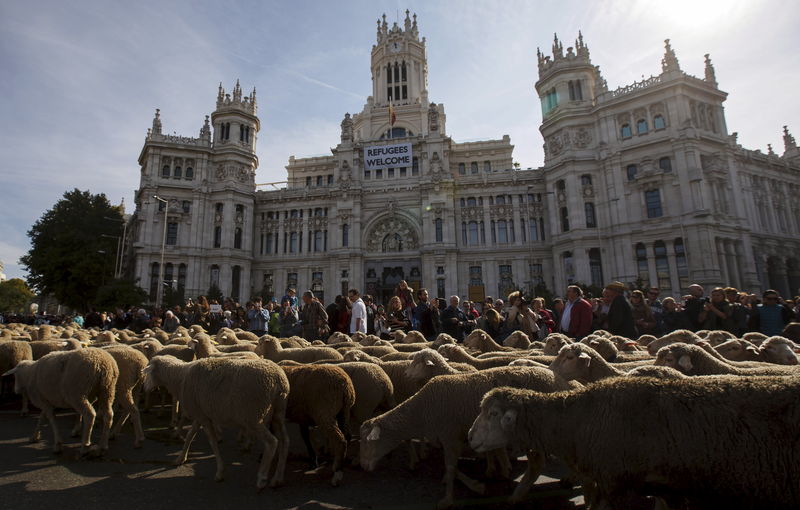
(32, 477)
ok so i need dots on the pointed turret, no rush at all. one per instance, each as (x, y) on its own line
(407, 21)
(237, 92)
(711, 76)
(156, 129)
(205, 131)
(788, 141)
(558, 48)
(669, 63)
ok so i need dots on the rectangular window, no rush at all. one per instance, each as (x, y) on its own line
(440, 288)
(330, 179)
(308, 181)
(414, 166)
(438, 223)
(403, 172)
(652, 200)
(366, 175)
(319, 180)
(172, 233)
(390, 173)
(379, 174)
(187, 206)
(462, 169)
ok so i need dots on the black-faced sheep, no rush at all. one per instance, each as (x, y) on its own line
(227, 392)
(71, 379)
(442, 412)
(693, 449)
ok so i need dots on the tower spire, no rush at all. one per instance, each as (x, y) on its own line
(711, 76)
(670, 62)
(788, 140)
(156, 130)
(558, 48)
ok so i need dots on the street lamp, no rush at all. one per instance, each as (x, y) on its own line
(103, 274)
(120, 246)
(163, 244)
(116, 259)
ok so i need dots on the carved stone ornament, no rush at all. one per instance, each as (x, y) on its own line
(433, 118)
(347, 128)
(582, 138)
(240, 173)
(472, 212)
(392, 234)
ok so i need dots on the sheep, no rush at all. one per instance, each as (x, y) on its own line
(374, 391)
(611, 353)
(182, 352)
(694, 447)
(622, 343)
(397, 356)
(409, 347)
(359, 337)
(442, 339)
(738, 350)
(12, 352)
(322, 395)
(217, 392)
(778, 350)
(367, 339)
(337, 337)
(479, 339)
(270, 348)
(717, 337)
(40, 348)
(792, 331)
(442, 412)
(658, 372)
(645, 340)
(398, 335)
(378, 350)
(70, 379)
(203, 347)
(148, 347)
(694, 360)
(458, 354)
(131, 364)
(428, 363)
(554, 342)
(679, 335)
(294, 342)
(413, 337)
(579, 362)
(517, 340)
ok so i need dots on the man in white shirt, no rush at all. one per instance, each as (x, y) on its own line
(358, 313)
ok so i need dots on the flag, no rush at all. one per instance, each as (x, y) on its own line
(392, 115)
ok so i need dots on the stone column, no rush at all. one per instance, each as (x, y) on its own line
(674, 279)
(733, 269)
(651, 265)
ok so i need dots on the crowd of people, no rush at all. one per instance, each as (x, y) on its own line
(621, 311)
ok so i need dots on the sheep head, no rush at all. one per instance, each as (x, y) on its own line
(375, 444)
(475, 340)
(605, 347)
(426, 364)
(678, 356)
(453, 351)
(573, 362)
(738, 350)
(498, 416)
(442, 339)
(21, 374)
(779, 350)
(554, 342)
(517, 340)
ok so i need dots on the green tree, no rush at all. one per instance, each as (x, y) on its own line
(69, 258)
(120, 293)
(14, 295)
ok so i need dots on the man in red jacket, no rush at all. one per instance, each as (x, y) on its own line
(576, 320)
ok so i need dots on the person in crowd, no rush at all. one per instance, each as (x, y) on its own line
(600, 308)
(291, 295)
(78, 319)
(382, 328)
(227, 319)
(694, 304)
(333, 313)
(171, 322)
(140, 322)
(368, 302)
(717, 312)
(672, 317)
(313, 317)
(358, 312)
(422, 315)
(288, 320)
(396, 317)
(771, 316)
(180, 314)
(546, 323)
(656, 307)
(437, 305)
(406, 295)
(576, 320)
(342, 323)
(740, 314)
(620, 315)
(642, 314)
(491, 322)
(93, 319)
(521, 317)
(257, 317)
(558, 311)
(471, 310)
(454, 320)
(488, 302)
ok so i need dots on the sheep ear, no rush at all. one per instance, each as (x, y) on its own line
(429, 362)
(64, 344)
(509, 418)
(585, 357)
(374, 434)
(685, 362)
(752, 348)
(11, 372)
(594, 342)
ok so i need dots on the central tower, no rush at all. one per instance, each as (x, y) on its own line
(399, 64)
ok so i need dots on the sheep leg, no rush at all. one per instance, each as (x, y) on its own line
(24, 412)
(279, 430)
(37, 430)
(88, 414)
(187, 443)
(76, 428)
(51, 417)
(270, 445)
(532, 472)
(312, 456)
(129, 408)
(211, 432)
(106, 408)
(339, 445)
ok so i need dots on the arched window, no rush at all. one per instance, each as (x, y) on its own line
(502, 232)
(500, 200)
(591, 219)
(625, 131)
(318, 242)
(586, 180)
(473, 167)
(462, 169)
(293, 242)
(641, 264)
(345, 235)
(189, 173)
(471, 201)
(662, 265)
(165, 171)
(217, 236)
(473, 233)
(631, 171)
(564, 219)
(658, 122)
(154, 274)
(665, 164)
(596, 267)
(641, 126)
(439, 229)
(178, 173)
(237, 238)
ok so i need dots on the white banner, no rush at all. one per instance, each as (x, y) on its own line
(387, 156)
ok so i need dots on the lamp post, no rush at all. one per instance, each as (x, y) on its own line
(103, 274)
(116, 258)
(120, 245)
(159, 290)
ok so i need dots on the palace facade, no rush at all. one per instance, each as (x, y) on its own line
(642, 183)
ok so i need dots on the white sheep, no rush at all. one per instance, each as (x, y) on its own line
(270, 347)
(71, 379)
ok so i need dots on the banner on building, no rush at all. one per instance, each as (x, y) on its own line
(387, 156)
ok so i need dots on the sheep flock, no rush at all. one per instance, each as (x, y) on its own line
(688, 420)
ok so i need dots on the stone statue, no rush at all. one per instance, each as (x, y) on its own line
(433, 118)
(347, 129)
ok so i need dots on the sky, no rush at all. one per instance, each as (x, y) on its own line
(79, 81)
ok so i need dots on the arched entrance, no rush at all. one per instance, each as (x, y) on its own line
(392, 243)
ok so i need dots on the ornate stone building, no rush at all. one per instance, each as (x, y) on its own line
(642, 182)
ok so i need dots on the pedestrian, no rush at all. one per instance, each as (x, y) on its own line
(422, 315)
(358, 312)
(771, 316)
(313, 317)
(171, 322)
(368, 302)
(642, 314)
(454, 320)
(620, 314)
(576, 320)
(693, 305)
(288, 320)
(406, 295)
(257, 317)
(717, 312)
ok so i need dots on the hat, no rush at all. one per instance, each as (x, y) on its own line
(617, 286)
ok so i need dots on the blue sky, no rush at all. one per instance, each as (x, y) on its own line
(80, 80)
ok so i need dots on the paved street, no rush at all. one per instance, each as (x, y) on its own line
(32, 477)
